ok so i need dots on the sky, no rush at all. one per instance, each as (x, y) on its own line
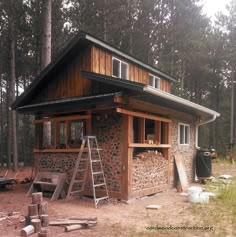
(210, 7)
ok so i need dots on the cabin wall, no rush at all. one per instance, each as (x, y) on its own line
(102, 64)
(188, 152)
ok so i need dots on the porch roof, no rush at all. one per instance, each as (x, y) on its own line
(154, 96)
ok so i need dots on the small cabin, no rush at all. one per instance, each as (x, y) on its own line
(93, 88)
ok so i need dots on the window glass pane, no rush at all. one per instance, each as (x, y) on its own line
(186, 134)
(115, 67)
(124, 70)
(48, 135)
(77, 132)
(150, 80)
(181, 134)
(62, 134)
(157, 83)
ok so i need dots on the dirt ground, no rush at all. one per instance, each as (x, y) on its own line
(117, 218)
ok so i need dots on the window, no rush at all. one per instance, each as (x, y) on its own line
(62, 132)
(119, 68)
(154, 81)
(184, 134)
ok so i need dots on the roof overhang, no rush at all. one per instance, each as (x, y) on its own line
(154, 96)
(70, 104)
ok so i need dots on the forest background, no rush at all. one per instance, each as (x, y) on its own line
(173, 35)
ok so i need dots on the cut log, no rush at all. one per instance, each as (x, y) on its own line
(28, 230)
(68, 222)
(43, 208)
(33, 209)
(73, 227)
(84, 218)
(33, 217)
(44, 220)
(37, 198)
(37, 225)
(44, 233)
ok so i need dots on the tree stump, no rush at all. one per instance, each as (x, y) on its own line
(33, 209)
(43, 208)
(28, 230)
(44, 220)
(44, 233)
(37, 198)
(37, 225)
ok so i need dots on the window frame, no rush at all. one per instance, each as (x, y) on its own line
(119, 69)
(186, 126)
(154, 79)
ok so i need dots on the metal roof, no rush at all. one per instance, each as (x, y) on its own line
(153, 95)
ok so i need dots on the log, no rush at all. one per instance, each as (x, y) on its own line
(44, 233)
(84, 218)
(43, 208)
(33, 217)
(37, 225)
(37, 198)
(44, 220)
(68, 222)
(33, 209)
(73, 227)
(26, 231)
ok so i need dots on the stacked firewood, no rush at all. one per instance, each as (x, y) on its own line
(37, 219)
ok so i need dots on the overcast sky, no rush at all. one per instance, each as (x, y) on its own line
(213, 6)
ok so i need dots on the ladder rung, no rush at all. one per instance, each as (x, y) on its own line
(101, 198)
(99, 172)
(78, 181)
(95, 160)
(96, 149)
(98, 185)
(77, 191)
(81, 170)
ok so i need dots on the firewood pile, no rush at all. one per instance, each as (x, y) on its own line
(38, 219)
(12, 218)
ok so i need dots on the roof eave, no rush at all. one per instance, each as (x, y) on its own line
(181, 101)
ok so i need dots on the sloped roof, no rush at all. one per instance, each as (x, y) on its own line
(80, 41)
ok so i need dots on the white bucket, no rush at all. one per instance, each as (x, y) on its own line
(194, 190)
(194, 194)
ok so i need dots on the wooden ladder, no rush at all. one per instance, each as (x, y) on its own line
(89, 157)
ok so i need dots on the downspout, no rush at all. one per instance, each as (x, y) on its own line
(200, 124)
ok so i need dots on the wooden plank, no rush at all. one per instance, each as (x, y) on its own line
(108, 70)
(95, 60)
(127, 156)
(131, 72)
(141, 130)
(149, 145)
(158, 132)
(66, 118)
(102, 62)
(142, 115)
(181, 171)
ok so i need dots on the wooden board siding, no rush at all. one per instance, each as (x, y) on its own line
(101, 62)
(68, 82)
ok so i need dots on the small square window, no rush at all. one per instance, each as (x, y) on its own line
(119, 68)
(184, 134)
(154, 81)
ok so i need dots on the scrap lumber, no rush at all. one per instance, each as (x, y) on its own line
(181, 171)
(73, 227)
(68, 222)
(26, 231)
(83, 218)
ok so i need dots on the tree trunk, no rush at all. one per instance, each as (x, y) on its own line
(12, 92)
(46, 53)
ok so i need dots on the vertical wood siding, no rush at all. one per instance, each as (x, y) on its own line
(101, 62)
